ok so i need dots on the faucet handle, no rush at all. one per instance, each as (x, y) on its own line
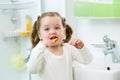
(106, 39)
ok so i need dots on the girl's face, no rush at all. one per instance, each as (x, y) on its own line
(51, 27)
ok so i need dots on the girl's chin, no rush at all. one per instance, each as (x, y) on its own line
(54, 44)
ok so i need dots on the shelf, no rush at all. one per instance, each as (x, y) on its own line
(20, 5)
(17, 34)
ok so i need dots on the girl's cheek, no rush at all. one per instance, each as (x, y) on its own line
(44, 36)
(61, 36)
(47, 36)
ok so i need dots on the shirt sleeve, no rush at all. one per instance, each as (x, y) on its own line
(36, 61)
(82, 55)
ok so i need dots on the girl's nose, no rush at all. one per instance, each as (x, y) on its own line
(52, 31)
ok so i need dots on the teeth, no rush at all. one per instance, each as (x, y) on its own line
(54, 39)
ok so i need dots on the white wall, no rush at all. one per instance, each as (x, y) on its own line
(54, 5)
(93, 30)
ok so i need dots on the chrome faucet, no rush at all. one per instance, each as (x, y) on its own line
(111, 48)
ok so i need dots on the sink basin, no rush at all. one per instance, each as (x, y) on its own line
(111, 72)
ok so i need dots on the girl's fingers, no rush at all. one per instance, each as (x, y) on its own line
(77, 43)
(74, 41)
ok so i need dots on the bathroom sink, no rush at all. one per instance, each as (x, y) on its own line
(111, 72)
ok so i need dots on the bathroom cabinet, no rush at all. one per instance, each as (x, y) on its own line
(97, 9)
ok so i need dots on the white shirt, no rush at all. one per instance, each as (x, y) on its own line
(56, 67)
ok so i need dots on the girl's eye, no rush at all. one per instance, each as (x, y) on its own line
(46, 29)
(57, 27)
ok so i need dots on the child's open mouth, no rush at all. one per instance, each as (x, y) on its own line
(53, 38)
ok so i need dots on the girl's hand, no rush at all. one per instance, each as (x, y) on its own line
(76, 43)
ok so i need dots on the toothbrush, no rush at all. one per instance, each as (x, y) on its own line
(53, 38)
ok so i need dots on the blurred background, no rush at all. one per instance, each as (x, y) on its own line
(90, 20)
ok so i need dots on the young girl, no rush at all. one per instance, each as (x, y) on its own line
(52, 55)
